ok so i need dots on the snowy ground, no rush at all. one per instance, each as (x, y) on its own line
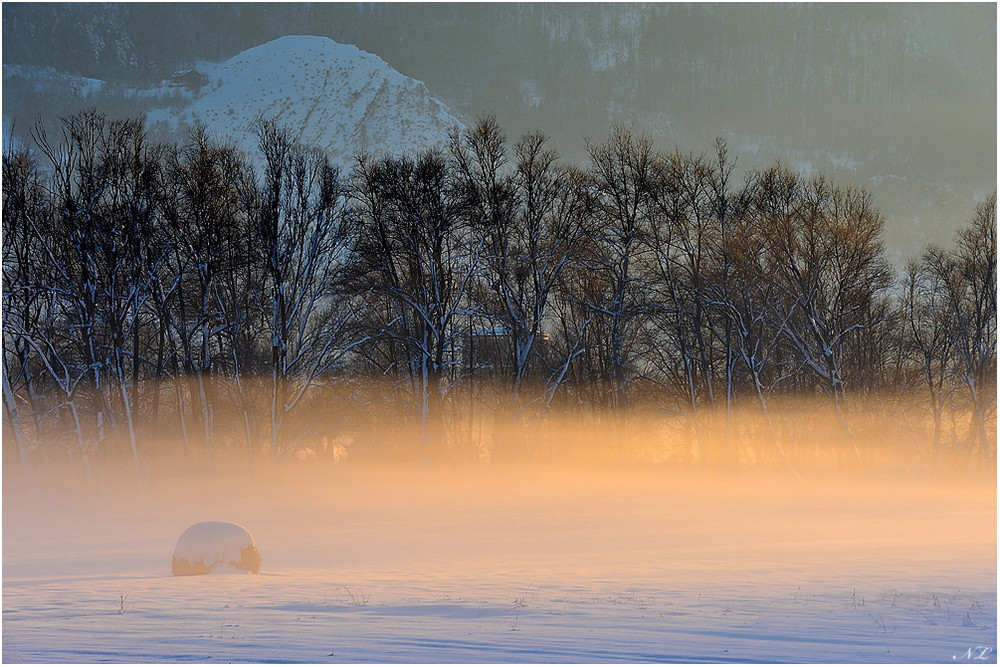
(508, 565)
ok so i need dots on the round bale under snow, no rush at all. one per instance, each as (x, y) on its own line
(215, 546)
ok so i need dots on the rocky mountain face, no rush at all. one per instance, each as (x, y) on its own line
(332, 96)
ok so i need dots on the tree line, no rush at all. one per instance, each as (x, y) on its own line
(449, 303)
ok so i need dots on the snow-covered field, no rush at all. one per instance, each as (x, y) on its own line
(495, 564)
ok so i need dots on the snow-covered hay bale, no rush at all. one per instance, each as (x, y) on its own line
(215, 546)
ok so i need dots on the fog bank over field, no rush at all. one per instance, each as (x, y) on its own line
(589, 552)
(592, 520)
(796, 439)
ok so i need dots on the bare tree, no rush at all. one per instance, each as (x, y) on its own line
(131, 268)
(24, 211)
(207, 211)
(419, 258)
(73, 242)
(743, 292)
(88, 272)
(621, 169)
(967, 278)
(928, 337)
(532, 220)
(306, 245)
(683, 237)
(825, 253)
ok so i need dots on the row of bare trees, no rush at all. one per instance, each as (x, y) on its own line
(244, 304)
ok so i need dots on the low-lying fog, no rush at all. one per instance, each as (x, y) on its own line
(440, 562)
(590, 520)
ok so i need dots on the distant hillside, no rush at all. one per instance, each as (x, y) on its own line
(898, 98)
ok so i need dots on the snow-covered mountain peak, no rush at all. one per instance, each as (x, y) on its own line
(333, 96)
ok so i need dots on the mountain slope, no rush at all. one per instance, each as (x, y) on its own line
(898, 98)
(332, 96)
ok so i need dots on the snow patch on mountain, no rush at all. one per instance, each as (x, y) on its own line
(331, 96)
